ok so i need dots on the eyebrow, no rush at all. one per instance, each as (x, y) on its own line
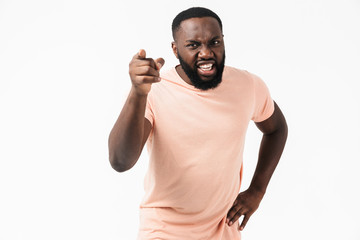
(195, 41)
(192, 41)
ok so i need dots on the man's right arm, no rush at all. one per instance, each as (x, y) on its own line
(131, 130)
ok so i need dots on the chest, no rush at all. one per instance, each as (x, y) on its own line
(198, 117)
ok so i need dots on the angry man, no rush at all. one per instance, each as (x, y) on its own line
(194, 118)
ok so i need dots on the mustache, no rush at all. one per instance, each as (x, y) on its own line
(205, 60)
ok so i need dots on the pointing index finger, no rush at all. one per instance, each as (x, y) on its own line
(159, 63)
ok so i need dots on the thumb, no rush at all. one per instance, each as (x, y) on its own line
(141, 54)
(159, 63)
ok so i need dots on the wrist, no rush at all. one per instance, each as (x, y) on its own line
(136, 92)
(258, 190)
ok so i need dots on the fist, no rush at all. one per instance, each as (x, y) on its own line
(144, 72)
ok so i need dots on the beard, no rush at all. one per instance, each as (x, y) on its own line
(195, 79)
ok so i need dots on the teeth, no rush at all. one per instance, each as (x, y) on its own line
(206, 67)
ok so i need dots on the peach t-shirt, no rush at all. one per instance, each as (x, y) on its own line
(195, 148)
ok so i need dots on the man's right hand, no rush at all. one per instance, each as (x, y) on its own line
(144, 72)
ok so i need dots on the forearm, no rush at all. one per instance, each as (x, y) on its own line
(274, 131)
(271, 148)
(125, 140)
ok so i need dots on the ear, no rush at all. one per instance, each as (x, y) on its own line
(174, 48)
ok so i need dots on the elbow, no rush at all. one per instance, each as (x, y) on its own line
(285, 129)
(282, 133)
(118, 164)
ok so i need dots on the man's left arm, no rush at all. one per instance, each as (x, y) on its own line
(274, 131)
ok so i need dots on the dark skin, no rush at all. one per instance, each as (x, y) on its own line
(131, 130)
(197, 41)
(274, 131)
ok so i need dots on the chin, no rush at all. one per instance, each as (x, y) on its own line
(201, 82)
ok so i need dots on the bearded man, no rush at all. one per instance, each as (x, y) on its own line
(194, 118)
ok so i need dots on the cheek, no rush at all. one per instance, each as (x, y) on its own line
(219, 51)
(219, 55)
(189, 57)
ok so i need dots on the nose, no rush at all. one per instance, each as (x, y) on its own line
(206, 52)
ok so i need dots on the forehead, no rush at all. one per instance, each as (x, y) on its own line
(204, 27)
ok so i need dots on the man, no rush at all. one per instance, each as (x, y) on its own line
(194, 119)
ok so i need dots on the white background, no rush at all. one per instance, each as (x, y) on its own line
(64, 79)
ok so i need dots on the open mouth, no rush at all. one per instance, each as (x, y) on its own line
(206, 69)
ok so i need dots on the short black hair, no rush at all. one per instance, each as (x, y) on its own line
(194, 12)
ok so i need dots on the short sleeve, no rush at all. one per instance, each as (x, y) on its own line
(148, 110)
(263, 103)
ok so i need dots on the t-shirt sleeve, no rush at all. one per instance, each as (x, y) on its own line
(148, 110)
(263, 103)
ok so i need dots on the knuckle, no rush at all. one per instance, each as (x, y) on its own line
(236, 207)
(147, 69)
(145, 62)
(132, 63)
(233, 217)
(232, 211)
(137, 78)
(141, 79)
(237, 215)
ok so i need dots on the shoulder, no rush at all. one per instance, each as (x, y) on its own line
(232, 72)
(236, 75)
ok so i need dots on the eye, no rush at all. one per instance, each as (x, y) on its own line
(192, 45)
(215, 42)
